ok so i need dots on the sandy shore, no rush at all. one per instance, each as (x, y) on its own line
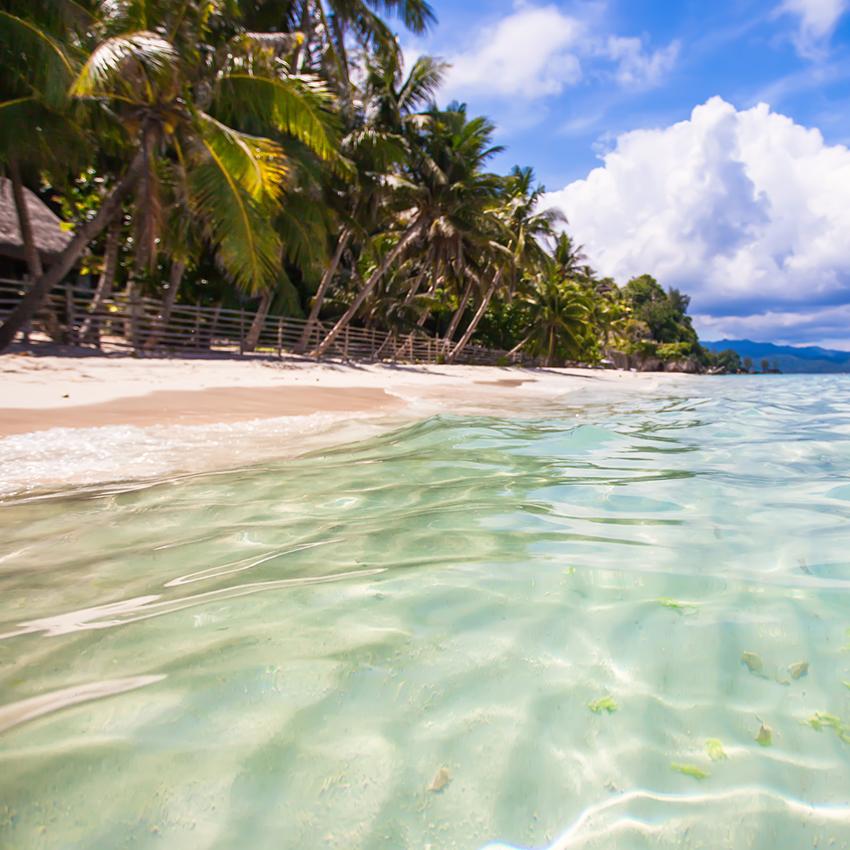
(39, 393)
(67, 422)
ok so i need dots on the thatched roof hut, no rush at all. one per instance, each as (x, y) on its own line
(50, 238)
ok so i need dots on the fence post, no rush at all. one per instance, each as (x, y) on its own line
(214, 326)
(69, 312)
(345, 344)
(134, 319)
(241, 330)
(280, 337)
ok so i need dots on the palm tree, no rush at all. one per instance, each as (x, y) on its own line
(376, 143)
(569, 258)
(187, 111)
(329, 27)
(526, 228)
(558, 314)
(444, 200)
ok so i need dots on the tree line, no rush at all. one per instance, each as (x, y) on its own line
(282, 155)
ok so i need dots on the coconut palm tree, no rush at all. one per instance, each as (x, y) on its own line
(329, 27)
(444, 201)
(558, 314)
(569, 258)
(189, 114)
(526, 228)
(376, 145)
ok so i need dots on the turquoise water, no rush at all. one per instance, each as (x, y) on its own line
(398, 643)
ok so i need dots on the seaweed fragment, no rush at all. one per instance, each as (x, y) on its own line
(822, 720)
(603, 704)
(714, 749)
(764, 737)
(799, 669)
(441, 779)
(754, 663)
(676, 605)
(690, 770)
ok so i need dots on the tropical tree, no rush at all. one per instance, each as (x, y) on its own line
(444, 202)
(558, 314)
(376, 144)
(188, 114)
(526, 229)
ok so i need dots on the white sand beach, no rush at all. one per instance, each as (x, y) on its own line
(69, 421)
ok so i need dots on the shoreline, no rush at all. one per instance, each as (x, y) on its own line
(41, 392)
(67, 422)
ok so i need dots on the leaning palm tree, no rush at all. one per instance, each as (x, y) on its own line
(443, 201)
(192, 115)
(330, 27)
(525, 228)
(376, 144)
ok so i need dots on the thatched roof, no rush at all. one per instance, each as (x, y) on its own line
(50, 239)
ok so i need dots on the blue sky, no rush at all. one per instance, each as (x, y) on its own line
(643, 120)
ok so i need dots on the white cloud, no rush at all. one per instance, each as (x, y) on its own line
(745, 210)
(640, 68)
(818, 19)
(530, 53)
(538, 51)
(821, 326)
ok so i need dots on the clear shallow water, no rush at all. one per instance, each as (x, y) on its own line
(394, 644)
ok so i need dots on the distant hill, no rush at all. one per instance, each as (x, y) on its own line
(787, 358)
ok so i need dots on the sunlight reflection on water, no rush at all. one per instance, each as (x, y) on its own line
(397, 642)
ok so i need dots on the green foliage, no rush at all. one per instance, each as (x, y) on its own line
(264, 150)
(727, 361)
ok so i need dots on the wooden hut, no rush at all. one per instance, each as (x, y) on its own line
(50, 238)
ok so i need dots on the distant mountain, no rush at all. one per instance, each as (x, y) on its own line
(787, 358)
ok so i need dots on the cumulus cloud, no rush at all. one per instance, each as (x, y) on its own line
(531, 52)
(638, 67)
(745, 210)
(818, 19)
(538, 51)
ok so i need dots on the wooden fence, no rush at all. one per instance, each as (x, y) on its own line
(140, 325)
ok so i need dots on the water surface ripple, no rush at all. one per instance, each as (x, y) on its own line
(398, 643)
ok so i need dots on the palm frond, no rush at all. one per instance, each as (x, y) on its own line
(296, 105)
(421, 85)
(36, 58)
(127, 65)
(259, 165)
(227, 194)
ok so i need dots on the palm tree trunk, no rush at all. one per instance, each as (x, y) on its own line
(521, 343)
(431, 290)
(447, 340)
(34, 298)
(302, 49)
(479, 314)
(175, 277)
(253, 337)
(90, 331)
(31, 255)
(403, 244)
(319, 298)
